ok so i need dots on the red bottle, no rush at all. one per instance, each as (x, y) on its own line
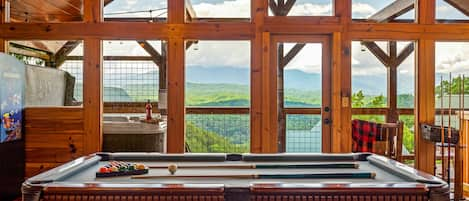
(148, 108)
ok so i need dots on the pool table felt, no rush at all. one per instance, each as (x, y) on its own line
(87, 175)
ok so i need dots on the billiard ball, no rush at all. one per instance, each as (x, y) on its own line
(172, 168)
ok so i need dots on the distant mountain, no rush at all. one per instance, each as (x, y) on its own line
(294, 79)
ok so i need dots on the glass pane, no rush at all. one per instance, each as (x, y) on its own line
(136, 10)
(451, 57)
(408, 142)
(370, 117)
(51, 79)
(303, 133)
(130, 80)
(206, 9)
(217, 75)
(306, 8)
(364, 9)
(31, 11)
(302, 76)
(220, 133)
(369, 77)
(406, 78)
(445, 11)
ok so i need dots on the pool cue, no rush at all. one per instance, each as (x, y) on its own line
(266, 166)
(357, 175)
(449, 129)
(442, 130)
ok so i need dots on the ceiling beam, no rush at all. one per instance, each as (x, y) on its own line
(292, 54)
(151, 51)
(409, 49)
(461, 5)
(190, 12)
(378, 52)
(61, 55)
(392, 11)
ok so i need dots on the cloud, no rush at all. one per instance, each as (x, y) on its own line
(225, 9)
(220, 53)
(362, 10)
(452, 57)
(309, 9)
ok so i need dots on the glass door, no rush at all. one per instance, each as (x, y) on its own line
(303, 92)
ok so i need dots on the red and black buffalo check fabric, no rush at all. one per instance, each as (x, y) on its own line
(364, 135)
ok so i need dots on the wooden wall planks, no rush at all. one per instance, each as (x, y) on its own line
(54, 135)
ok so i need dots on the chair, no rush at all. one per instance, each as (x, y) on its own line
(386, 137)
(390, 143)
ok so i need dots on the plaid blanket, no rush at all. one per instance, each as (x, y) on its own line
(364, 135)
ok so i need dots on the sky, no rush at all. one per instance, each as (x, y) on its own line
(237, 53)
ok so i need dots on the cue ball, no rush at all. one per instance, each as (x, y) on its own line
(172, 168)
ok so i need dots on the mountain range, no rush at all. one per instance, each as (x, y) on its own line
(294, 79)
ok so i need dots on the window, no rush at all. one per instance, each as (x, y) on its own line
(302, 8)
(382, 10)
(52, 79)
(130, 73)
(217, 96)
(136, 10)
(369, 86)
(451, 58)
(206, 10)
(446, 12)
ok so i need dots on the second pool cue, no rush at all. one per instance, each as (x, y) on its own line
(449, 129)
(357, 175)
(442, 130)
(266, 166)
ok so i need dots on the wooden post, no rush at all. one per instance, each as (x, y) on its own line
(2, 21)
(425, 104)
(264, 137)
(176, 108)
(92, 82)
(176, 81)
(392, 115)
(425, 90)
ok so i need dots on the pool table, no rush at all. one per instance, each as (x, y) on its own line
(77, 180)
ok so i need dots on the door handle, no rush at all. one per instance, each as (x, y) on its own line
(327, 121)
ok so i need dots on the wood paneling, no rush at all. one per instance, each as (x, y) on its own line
(54, 135)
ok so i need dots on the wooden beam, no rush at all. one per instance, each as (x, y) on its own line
(346, 94)
(336, 102)
(92, 11)
(378, 52)
(426, 12)
(405, 53)
(21, 51)
(392, 11)
(177, 12)
(4, 11)
(287, 7)
(260, 126)
(155, 55)
(3, 46)
(274, 8)
(92, 82)
(461, 5)
(61, 55)
(291, 54)
(341, 10)
(425, 104)
(176, 96)
(115, 58)
(190, 12)
(92, 95)
(392, 115)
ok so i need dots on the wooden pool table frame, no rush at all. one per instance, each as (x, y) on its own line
(423, 186)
